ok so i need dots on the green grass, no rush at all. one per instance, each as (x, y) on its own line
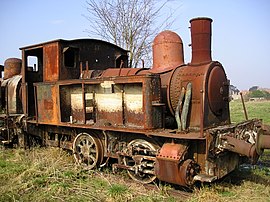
(50, 174)
(246, 184)
(259, 110)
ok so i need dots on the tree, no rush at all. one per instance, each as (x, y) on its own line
(128, 24)
(259, 94)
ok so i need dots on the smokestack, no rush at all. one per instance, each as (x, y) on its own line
(201, 40)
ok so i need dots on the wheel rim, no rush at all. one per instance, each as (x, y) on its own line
(88, 150)
(143, 168)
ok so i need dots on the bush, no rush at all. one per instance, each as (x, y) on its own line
(259, 94)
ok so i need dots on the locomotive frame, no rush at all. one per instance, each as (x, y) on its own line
(169, 122)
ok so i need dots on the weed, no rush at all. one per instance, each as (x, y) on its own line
(50, 174)
(118, 192)
(260, 110)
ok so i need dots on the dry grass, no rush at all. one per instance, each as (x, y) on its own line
(50, 174)
(249, 183)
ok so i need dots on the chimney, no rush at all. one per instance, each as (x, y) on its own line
(201, 40)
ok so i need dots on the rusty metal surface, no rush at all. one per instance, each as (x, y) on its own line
(201, 40)
(263, 140)
(138, 157)
(13, 95)
(171, 122)
(244, 106)
(209, 79)
(244, 139)
(167, 51)
(47, 103)
(121, 72)
(51, 62)
(218, 91)
(88, 150)
(241, 147)
(133, 102)
(12, 67)
(171, 166)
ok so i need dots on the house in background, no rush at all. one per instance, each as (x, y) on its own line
(234, 93)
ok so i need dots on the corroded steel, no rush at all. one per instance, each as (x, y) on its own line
(263, 141)
(14, 96)
(12, 89)
(121, 72)
(47, 102)
(201, 40)
(142, 161)
(167, 51)
(244, 106)
(169, 122)
(241, 147)
(218, 91)
(134, 102)
(12, 67)
(215, 93)
(88, 150)
(171, 167)
(51, 62)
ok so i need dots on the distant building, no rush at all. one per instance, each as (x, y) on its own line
(234, 93)
(253, 88)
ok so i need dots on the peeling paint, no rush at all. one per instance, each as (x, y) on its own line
(134, 102)
(76, 101)
(109, 102)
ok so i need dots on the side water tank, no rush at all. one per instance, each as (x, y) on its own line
(12, 67)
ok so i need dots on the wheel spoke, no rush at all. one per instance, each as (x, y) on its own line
(92, 151)
(93, 158)
(143, 168)
(91, 144)
(87, 150)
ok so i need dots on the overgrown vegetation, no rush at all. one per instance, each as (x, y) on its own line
(249, 183)
(259, 110)
(259, 94)
(50, 174)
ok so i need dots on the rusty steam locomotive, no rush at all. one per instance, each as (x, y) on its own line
(170, 122)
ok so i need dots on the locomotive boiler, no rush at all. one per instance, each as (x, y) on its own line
(169, 122)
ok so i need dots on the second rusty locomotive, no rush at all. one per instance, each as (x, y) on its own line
(170, 122)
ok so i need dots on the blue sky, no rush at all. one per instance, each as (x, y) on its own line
(240, 37)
